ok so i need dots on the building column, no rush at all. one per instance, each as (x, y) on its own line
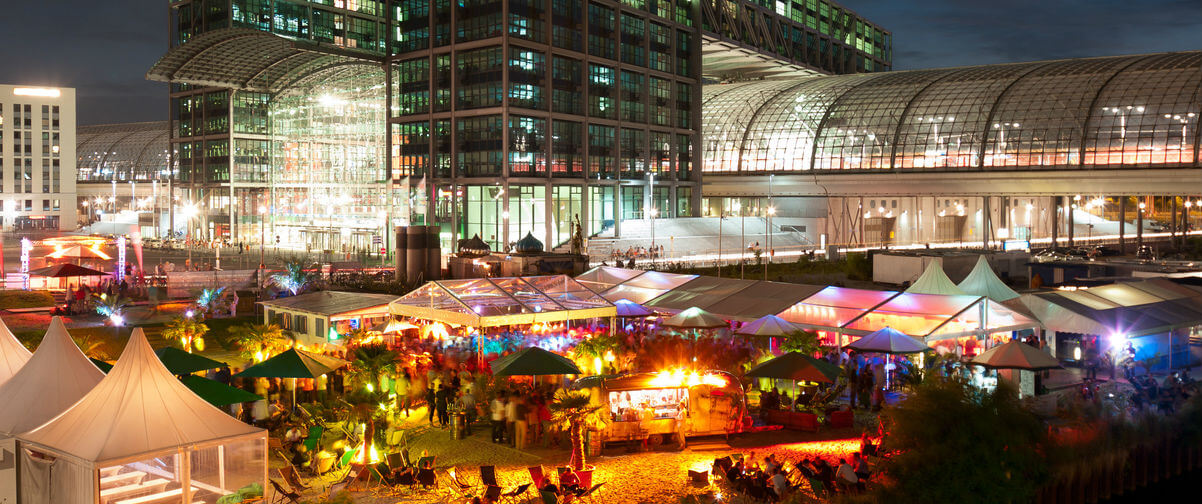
(1173, 234)
(1072, 206)
(1122, 224)
(986, 222)
(1139, 225)
(1055, 219)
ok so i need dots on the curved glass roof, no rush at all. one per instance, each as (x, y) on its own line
(1121, 111)
(122, 152)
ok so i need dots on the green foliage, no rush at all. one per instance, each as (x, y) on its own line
(805, 342)
(25, 299)
(597, 346)
(293, 279)
(858, 266)
(181, 329)
(574, 411)
(107, 305)
(370, 362)
(953, 443)
(265, 338)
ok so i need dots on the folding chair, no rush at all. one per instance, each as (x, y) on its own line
(492, 493)
(591, 493)
(344, 483)
(516, 495)
(549, 497)
(314, 438)
(395, 462)
(361, 473)
(282, 495)
(536, 476)
(426, 462)
(426, 478)
(456, 486)
(488, 476)
(292, 478)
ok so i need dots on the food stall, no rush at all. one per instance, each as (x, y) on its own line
(647, 406)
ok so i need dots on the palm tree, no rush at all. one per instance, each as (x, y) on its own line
(208, 299)
(186, 331)
(369, 364)
(112, 307)
(293, 279)
(574, 411)
(261, 340)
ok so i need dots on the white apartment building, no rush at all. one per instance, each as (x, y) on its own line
(37, 158)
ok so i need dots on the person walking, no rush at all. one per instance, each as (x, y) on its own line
(403, 387)
(497, 410)
(511, 418)
(521, 423)
(430, 406)
(442, 403)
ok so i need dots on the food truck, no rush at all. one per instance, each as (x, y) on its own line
(648, 406)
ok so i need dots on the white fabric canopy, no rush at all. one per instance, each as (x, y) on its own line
(139, 408)
(935, 281)
(13, 354)
(982, 281)
(54, 379)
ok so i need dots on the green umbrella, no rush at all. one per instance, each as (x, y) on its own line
(180, 362)
(217, 393)
(533, 361)
(294, 364)
(104, 366)
(797, 366)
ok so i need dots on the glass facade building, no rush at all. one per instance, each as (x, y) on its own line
(492, 118)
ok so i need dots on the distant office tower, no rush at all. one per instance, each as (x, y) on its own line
(37, 158)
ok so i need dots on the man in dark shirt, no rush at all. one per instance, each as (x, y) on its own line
(440, 402)
(430, 406)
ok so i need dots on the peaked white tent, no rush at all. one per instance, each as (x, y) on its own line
(140, 432)
(935, 281)
(53, 379)
(13, 354)
(982, 281)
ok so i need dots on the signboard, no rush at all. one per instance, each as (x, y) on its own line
(1010, 245)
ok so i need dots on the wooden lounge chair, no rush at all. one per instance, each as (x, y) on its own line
(455, 485)
(517, 494)
(492, 493)
(488, 476)
(591, 493)
(283, 495)
(290, 476)
(312, 441)
(426, 478)
(549, 497)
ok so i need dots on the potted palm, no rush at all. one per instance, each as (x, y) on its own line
(575, 411)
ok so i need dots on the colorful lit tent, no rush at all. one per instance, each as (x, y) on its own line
(769, 325)
(934, 281)
(141, 419)
(487, 302)
(533, 361)
(982, 281)
(627, 308)
(13, 355)
(695, 318)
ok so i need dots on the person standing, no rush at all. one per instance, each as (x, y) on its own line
(441, 402)
(430, 406)
(321, 385)
(467, 404)
(403, 386)
(852, 382)
(521, 423)
(511, 418)
(497, 410)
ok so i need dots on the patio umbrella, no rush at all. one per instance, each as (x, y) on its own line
(1016, 355)
(294, 364)
(888, 341)
(533, 361)
(217, 393)
(628, 308)
(695, 318)
(66, 270)
(769, 325)
(180, 362)
(796, 366)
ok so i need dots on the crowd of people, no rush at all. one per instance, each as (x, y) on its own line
(770, 479)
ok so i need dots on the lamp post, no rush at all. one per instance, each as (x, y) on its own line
(262, 233)
(189, 211)
(768, 240)
(652, 212)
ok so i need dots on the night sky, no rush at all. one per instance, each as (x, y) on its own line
(103, 49)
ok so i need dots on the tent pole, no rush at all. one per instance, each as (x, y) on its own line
(221, 467)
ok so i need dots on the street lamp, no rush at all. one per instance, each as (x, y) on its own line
(189, 211)
(262, 232)
(652, 212)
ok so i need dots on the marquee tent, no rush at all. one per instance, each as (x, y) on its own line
(144, 427)
(982, 281)
(486, 302)
(934, 281)
(13, 354)
(54, 379)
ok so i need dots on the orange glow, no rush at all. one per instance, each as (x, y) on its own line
(679, 378)
(829, 448)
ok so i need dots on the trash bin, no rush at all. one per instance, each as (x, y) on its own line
(458, 425)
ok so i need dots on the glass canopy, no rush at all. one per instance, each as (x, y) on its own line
(485, 302)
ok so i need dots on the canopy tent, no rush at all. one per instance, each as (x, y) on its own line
(796, 366)
(646, 286)
(13, 355)
(833, 307)
(695, 318)
(601, 278)
(1130, 309)
(57, 375)
(142, 422)
(392, 325)
(934, 317)
(769, 325)
(982, 281)
(888, 341)
(487, 302)
(627, 308)
(1016, 355)
(533, 361)
(934, 281)
(732, 298)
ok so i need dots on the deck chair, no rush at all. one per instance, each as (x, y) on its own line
(426, 478)
(457, 487)
(314, 438)
(395, 462)
(292, 478)
(426, 462)
(549, 497)
(492, 493)
(536, 476)
(359, 473)
(817, 486)
(516, 495)
(282, 495)
(591, 493)
(488, 476)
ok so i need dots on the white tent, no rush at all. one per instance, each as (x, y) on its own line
(54, 379)
(140, 432)
(13, 354)
(934, 281)
(982, 281)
